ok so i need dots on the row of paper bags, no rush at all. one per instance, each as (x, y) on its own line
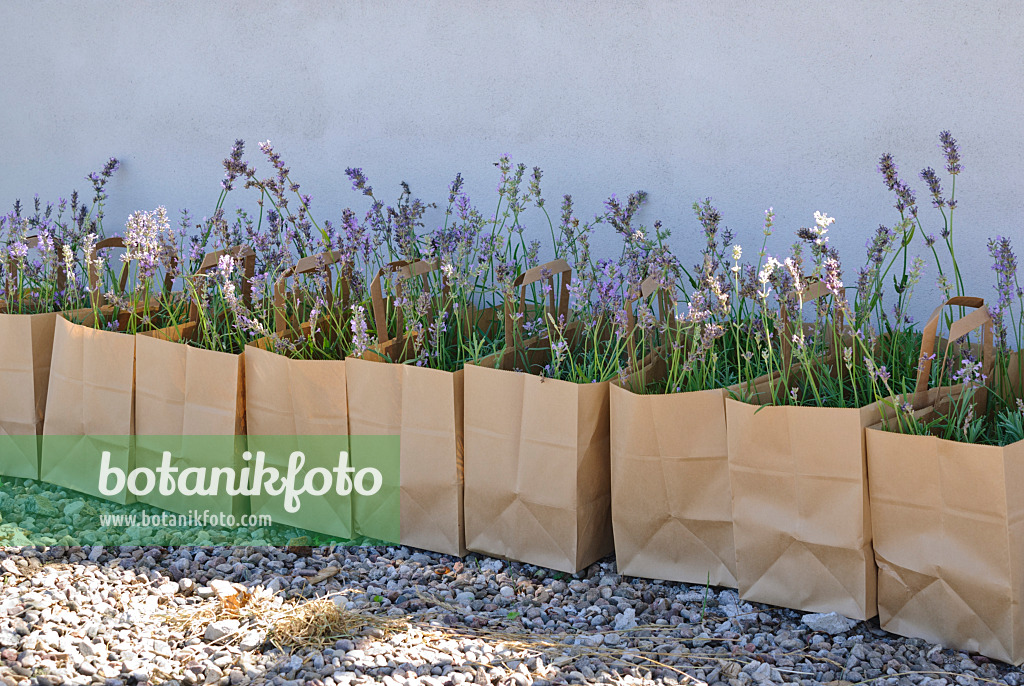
(698, 487)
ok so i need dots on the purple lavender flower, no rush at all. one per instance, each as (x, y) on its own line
(952, 152)
(807, 235)
(504, 165)
(905, 198)
(834, 279)
(713, 255)
(504, 274)
(1005, 267)
(99, 182)
(864, 284)
(888, 169)
(516, 203)
(146, 241)
(359, 181)
(533, 254)
(17, 251)
(100, 178)
(934, 186)
(620, 216)
(535, 187)
(455, 189)
(880, 243)
(234, 166)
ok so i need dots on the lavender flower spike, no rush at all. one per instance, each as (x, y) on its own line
(952, 152)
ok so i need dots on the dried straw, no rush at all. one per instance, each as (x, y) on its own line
(319, 622)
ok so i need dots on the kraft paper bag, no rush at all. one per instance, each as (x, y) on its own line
(190, 402)
(538, 465)
(27, 344)
(291, 404)
(949, 541)
(949, 522)
(538, 482)
(297, 398)
(91, 396)
(801, 517)
(424, 408)
(671, 498)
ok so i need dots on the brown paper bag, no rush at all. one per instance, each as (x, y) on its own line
(949, 529)
(90, 402)
(290, 397)
(92, 396)
(27, 344)
(671, 501)
(949, 541)
(537, 454)
(422, 406)
(801, 519)
(190, 401)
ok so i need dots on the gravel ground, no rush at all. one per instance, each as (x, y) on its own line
(205, 615)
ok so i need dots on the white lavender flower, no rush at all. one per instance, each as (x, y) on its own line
(69, 265)
(360, 330)
(148, 241)
(822, 221)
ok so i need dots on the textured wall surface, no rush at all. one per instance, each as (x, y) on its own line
(783, 104)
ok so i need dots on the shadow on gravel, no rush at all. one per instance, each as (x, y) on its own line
(359, 615)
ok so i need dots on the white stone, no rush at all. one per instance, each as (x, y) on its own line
(625, 620)
(223, 588)
(831, 623)
(219, 629)
(492, 565)
(252, 640)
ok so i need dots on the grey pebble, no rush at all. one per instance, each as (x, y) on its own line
(117, 597)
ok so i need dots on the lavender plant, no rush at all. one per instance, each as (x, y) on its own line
(717, 339)
(827, 361)
(957, 416)
(591, 338)
(911, 222)
(137, 297)
(42, 268)
(784, 321)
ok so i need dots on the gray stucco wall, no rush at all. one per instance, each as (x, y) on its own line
(783, 104)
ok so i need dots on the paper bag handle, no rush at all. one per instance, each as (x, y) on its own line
(33, 242)
(980, 317)
(544, 272)
(404, 269)
(211, 261)
(310, 263)
(99, 299)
